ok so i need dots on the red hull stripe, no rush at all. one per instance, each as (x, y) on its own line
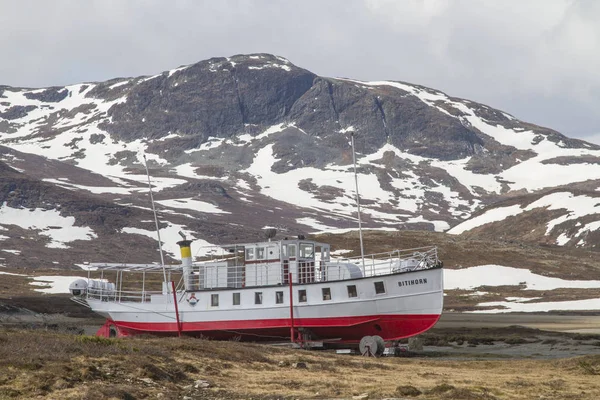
(350, 329)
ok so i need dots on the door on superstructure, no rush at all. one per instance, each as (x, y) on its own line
(292, 257)
(285, 264)
(306, 262)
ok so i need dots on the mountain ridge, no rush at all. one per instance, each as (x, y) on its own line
(253, 141)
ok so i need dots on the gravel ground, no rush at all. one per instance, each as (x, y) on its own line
(562, 322)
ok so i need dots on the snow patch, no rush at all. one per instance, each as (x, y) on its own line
(173, 71)
(59, 229)
(122, 83)
(53, 284)
(510, 306)
(314, 224)
(10, 273)
(17, 252)
(191, 204)
(493, 215)
(170, 236)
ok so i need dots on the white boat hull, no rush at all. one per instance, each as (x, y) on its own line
(410, 304)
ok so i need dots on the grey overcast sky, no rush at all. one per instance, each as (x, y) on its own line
(536, 59)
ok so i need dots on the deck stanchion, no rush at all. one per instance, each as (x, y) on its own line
(291, 308)
(176, 309)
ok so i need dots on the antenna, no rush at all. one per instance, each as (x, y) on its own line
(362, 249)
(162, 259)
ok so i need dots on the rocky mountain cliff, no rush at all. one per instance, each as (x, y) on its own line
(236, 144)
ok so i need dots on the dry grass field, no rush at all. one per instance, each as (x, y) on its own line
(43, 364)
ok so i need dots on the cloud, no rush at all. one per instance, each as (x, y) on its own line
(535, 59)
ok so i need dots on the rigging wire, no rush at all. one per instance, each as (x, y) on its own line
(162, 258)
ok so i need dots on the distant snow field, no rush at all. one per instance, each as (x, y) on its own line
(575, 206)
(519, 306)
(497, 275)
(284, 187)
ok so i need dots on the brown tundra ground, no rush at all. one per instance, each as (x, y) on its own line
(37, 363)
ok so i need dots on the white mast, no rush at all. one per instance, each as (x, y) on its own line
(162, 259)
(362, 250)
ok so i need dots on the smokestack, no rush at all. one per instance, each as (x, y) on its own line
(186, 261)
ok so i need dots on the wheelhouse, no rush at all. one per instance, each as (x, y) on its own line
(262, 264)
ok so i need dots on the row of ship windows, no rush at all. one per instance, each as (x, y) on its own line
(326, 292)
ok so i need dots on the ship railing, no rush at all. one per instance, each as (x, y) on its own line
(132, 282)
(385, 263)
(231, 273)
(220, 273)
(119, 296)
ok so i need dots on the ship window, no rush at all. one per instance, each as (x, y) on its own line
(292, 250)
(379, 288)
(236, 299)
(249, 254)
(279, 297)
(352, 291)
(257, 297)
(214, 300)
(260, 253)
(302, 296)
(326, 293)
(307, 250)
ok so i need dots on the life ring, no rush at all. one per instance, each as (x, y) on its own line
(192, 299)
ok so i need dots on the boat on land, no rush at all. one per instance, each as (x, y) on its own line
(272, 290)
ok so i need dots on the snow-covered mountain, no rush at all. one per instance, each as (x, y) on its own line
(236, 144)
(563, 217)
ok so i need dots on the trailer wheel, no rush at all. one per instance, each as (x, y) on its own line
(367, 346)
(380, 345)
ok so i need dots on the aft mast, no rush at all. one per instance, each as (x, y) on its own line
(362, 249)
